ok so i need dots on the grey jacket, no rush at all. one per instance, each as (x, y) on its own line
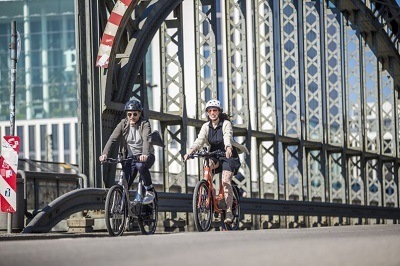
(202, 138)
(122, 130)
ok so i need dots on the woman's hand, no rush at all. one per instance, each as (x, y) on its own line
(228, 152)
(185, 157)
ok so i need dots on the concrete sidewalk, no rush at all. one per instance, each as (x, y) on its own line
(4, 236)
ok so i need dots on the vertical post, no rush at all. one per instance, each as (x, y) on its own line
(49, 147)
(87, 43)
(13, 48)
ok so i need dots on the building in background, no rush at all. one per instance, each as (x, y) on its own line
(46, 87)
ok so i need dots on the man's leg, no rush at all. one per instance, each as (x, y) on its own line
(144, 172)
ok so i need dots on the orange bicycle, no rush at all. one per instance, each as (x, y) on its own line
(206, 203)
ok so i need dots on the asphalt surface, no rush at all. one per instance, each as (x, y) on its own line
(344, 245)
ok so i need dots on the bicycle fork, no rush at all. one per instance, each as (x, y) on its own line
(125, 195)
(208, 178)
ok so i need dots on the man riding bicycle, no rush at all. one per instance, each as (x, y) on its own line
(134, 130)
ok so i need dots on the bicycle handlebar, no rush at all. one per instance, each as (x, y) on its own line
(120, 159)
(206, 154)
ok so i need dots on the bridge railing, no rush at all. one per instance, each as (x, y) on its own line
(93, 199)
(38, 184)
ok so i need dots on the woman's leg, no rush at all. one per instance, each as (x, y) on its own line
(214, 164)
(228, 194)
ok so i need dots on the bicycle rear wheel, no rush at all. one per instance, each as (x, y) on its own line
(116, 211)
(148, 219)
(235, 211)
(202, 206)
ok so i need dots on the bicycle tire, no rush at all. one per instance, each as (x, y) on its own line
(114, 215)
(235, 211)
(149, 217)
(202, 210)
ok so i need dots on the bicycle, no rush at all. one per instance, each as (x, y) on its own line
(206, 203)
(118, 210)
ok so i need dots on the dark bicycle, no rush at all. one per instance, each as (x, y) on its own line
(206, 203)
(119, 210)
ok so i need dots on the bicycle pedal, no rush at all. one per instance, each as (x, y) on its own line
(222, 204)
(136, 208)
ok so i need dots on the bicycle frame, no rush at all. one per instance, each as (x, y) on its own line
(211, 192)
(119, 211)
(204, 194)
(124, 183)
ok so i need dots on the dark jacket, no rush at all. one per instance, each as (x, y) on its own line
(122, 129)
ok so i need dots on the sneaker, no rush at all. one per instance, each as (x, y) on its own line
(137, 199)
(148, 197)
(228, 217)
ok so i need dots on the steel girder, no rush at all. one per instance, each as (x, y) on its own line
(287, 72)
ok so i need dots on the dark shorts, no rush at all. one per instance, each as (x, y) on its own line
(232, 164)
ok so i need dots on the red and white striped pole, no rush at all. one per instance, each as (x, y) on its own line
(10, 144)
(8, 175)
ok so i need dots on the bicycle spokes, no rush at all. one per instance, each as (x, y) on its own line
(202, 206)
(148, 218)
(115, 211)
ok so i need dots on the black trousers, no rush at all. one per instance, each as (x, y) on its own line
(131, 168)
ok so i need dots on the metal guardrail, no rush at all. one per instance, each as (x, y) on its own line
(307, 208)
(176, 202)
(94, 199)
(38, 183)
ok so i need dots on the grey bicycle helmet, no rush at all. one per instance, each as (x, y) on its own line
(133, 105)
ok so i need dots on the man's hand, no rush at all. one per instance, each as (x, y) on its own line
(103, 157)
(143, 158)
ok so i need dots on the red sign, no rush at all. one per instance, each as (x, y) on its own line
(8, 173)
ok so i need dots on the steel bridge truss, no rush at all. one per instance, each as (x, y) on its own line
(312, 87)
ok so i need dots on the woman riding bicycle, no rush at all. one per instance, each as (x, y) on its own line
(135, 131)
(217, 133)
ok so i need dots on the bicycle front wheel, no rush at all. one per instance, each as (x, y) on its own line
(116, 211)
(148, 218)
(202, 206)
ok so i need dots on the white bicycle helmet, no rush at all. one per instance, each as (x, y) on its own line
(213, 103)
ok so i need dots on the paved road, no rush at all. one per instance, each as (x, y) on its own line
(346, 245)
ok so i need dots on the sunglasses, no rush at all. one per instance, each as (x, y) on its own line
(212, 111)
(134, 114)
